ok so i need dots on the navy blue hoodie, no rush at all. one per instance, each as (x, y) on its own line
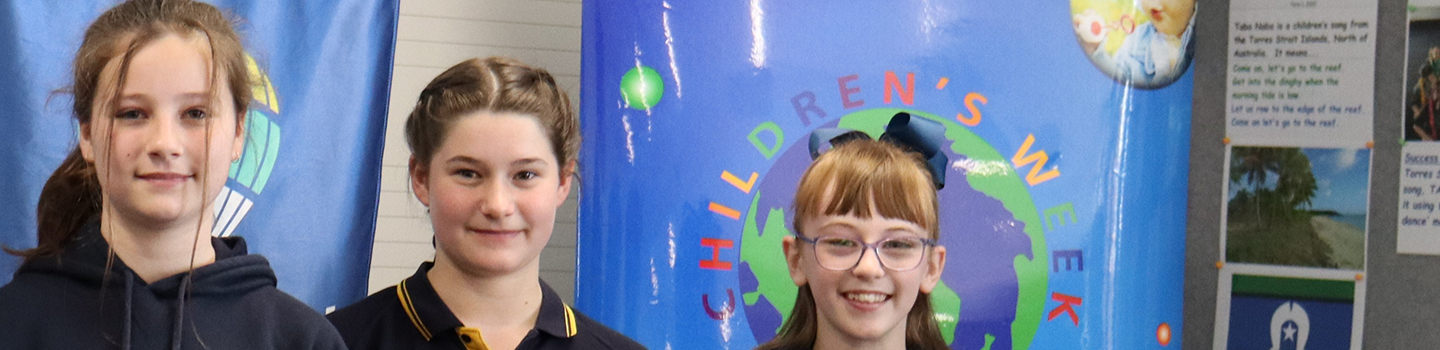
(70, 301)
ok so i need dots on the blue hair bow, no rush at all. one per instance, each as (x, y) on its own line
(918, 135)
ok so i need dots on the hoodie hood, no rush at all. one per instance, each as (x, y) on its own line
(143, 312)
(85, 259)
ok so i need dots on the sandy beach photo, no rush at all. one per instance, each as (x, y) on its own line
(1297, 207)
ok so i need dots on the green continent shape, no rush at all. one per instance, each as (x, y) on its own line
(1003, 184)
(946, 304)
(765, 253)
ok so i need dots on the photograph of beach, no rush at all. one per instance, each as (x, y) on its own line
(1297, 206)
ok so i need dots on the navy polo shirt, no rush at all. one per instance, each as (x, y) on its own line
(411, 315)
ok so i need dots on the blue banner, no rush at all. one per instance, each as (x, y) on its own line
(1067, 135)
(303, 194)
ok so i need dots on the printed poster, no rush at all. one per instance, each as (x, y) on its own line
(1418, 225)
(1300, 98)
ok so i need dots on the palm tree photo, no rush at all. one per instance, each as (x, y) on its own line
(1272, 216)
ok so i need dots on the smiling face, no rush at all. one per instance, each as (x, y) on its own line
(166, 147)
(492, 188)
(868, 302)
(868, 191)
(1170, 17)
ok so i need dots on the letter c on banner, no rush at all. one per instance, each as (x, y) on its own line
(725, 312)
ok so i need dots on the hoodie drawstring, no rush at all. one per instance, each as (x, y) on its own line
(129, 295)
(179, 312)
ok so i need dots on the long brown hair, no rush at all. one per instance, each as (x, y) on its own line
(847, 180)
(494, 85)
(72, 195)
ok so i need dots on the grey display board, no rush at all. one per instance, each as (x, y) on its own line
(1401, 303)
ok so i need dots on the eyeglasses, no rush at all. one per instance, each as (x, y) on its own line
(895, 254)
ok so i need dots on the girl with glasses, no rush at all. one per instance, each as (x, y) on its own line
(864, 254)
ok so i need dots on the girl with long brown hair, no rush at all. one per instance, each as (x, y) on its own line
(124, 257)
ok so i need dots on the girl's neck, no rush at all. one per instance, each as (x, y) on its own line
(827, 337)
(504, 307)
(155, 252)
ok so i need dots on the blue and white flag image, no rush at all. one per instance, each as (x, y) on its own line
(304, 192)
(1271, 313)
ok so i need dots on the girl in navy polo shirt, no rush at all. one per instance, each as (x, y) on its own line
(493, 145)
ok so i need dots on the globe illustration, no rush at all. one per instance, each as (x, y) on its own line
(991, 293)
(250, 173)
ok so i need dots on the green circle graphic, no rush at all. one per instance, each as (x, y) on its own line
(642, 88)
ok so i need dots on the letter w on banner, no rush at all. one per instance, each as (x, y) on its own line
(303, 194)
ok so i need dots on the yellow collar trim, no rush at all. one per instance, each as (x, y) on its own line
(409, 307)
(570, 326)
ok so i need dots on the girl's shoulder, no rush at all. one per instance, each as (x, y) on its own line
(599, 336)
(269, 312)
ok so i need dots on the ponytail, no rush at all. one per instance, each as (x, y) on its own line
(70, 198)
